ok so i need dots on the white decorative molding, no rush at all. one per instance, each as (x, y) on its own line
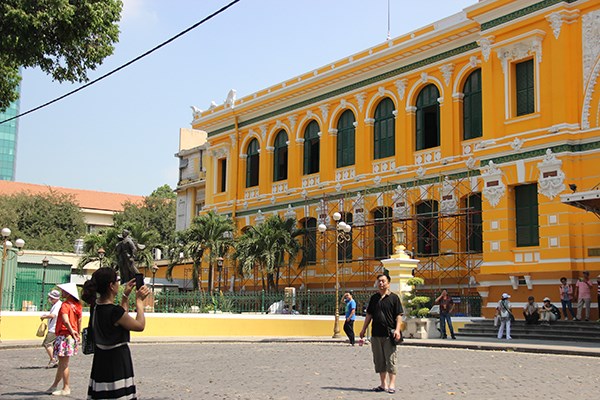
(483, 144)
(338, 187)
(263, 131)
(591, 61)
(304, 193)
(219, 152)
(273, 199)
(270, 149)
(358, 211)
(369, 121)
(458, 97)
(486, 47)
(233, 139)
(528, 46)
(292, 119)
(556, 20)
(343, 103)
(377, 179)
(428, 157)
(360, 100)
(551, 181)
(381, 91)
(290, 213)
(355, 124)
(230, 100)
(449, 203)
(473, 61)
(279, 187)
(243, 156)
(260, 218)
(278, 124)
(446, 71)
(517, 143)
(401, 207)
(411, 110)
(424, 77)
(401, 87)
(466, 149)
(251, 193)
(343, 174)
(310, 114)
(196, 112)
(421, 172)
(333, 132)
(470, 163)
(323, 214)
(324, 111)
(493, 187)
(311, 181)
(383, 166)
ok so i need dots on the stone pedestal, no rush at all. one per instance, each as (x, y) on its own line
(400, 267)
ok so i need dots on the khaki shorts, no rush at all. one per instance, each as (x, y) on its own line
(49, 340)
(384, 354)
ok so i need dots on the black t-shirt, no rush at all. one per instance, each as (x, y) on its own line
(105, 331)
(384, 311)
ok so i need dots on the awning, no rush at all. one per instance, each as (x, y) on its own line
(588, 201)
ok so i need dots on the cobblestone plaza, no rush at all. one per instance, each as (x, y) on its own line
(278, 371)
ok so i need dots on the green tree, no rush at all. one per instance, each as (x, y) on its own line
(266, 246)
(64, 38)
(209, 234)
(156, 212)
(46, 221)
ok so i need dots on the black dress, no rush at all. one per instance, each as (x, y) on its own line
(112, 368)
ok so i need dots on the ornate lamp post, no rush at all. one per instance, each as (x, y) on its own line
(45, 263)
(220, 269)
(342, 235)
(6, 253)
(154, 270)
(101, 253)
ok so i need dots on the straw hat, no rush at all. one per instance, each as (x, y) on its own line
(54, 294)
(70, 288)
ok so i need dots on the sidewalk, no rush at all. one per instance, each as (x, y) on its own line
(523, 345)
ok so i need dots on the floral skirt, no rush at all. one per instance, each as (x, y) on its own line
(65, 346)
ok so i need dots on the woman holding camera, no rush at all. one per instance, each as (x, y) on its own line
(112, 367)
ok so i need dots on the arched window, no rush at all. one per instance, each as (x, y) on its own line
(428, 118)
(472, 125)
(473, 231)
(252, 164)
(309, 242)
(427, 227)
(345, 139)
(280, 157)
(384, 130)
(383, 232)
(311, 148)
(345, 247)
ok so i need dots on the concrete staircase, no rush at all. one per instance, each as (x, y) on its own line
(575, 331)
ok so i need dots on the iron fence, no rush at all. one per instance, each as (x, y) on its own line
(306, 302)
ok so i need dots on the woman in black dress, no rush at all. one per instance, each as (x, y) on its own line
(112, 367)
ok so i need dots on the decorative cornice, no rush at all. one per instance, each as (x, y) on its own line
(521, 13)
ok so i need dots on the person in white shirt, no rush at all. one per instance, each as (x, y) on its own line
(48, 343)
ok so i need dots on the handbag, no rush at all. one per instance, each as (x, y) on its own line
(395, 341)
(496, 320)
(41, 332)
(87, 336)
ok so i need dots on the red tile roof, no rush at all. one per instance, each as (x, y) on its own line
(85, 198)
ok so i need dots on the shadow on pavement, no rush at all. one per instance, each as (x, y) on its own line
(346, 389)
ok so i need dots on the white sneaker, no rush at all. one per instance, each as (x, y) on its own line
(51, 389)
(64, 392)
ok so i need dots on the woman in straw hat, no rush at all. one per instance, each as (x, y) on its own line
(68, 327)
(112, 368)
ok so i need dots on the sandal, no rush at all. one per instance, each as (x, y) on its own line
(391, 390)
(379, 389)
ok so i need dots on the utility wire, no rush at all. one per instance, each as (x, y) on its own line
(126, 64)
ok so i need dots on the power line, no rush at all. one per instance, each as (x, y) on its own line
(126, 64)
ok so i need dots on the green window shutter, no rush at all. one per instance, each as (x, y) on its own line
(427, 127)
(526, 215)
(345, 139)
(384, 130)
(525, 88)
(472, 110)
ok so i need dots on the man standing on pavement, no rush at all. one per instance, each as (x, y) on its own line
(583, 293)
(385, 311)
(350, 316)
(446, 306)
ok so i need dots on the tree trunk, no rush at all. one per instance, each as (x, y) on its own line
(195, 275)
(210, 277)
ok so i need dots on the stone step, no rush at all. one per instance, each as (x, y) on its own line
(539, 332)
(516, 335)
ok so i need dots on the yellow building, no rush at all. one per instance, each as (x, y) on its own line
(465, 133)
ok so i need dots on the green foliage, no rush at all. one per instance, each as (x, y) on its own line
(266, 246)
(415, 282)
(210, 234)
(64, 38)
(157, 212)
(46, 221)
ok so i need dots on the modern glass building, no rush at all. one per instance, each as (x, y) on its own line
(8, 142)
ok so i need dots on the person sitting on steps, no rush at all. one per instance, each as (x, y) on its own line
(549, 312)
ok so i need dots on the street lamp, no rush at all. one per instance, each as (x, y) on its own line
(342, 235)
(154, 270)
(219, 268)
(6, 249)
(101, 253)
(45, 262)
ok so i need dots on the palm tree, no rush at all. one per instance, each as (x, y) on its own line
(210, 233)
(266, 246)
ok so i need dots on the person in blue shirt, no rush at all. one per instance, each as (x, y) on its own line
(350, 316)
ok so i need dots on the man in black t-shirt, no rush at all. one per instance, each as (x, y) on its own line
(385, 311)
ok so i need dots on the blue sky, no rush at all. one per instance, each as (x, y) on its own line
(121, 134)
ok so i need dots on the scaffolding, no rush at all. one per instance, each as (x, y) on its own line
(440, 216)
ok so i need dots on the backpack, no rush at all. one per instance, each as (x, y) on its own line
(556, 312)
